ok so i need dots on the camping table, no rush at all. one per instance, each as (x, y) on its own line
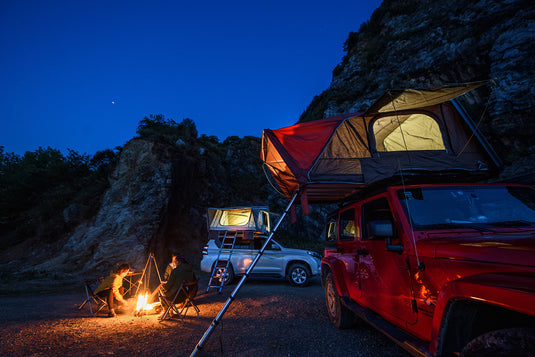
(130, 278)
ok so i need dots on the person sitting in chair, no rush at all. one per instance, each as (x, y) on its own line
(112, 287)
(170, 267)
(183, 271)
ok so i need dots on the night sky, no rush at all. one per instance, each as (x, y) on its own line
(82, 74)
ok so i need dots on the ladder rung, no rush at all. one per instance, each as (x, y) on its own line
(228, 241)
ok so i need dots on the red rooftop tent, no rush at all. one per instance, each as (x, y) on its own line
(409, 132)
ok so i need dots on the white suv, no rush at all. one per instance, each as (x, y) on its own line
(295, 265)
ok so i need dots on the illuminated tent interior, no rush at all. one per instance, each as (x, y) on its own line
(409, 132)
(254, 219)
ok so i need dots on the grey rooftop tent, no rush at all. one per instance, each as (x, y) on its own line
(405, 132)
(254, 219)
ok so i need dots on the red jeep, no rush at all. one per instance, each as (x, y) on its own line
(443, 269)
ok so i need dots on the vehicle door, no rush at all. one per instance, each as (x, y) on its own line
(384, 276)
(346, 249)
(272, 261)
(242, 255)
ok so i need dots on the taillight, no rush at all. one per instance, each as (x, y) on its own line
(205, 250)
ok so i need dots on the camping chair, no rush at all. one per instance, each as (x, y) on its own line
(169, 304)
(190, 288)
(92, 298)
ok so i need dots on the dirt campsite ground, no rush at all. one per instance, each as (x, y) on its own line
(267, 318)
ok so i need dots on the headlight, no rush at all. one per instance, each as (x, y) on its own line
(314, 254)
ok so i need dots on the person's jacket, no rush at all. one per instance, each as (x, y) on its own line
(183, 271)
(113, 281)
(168, 271)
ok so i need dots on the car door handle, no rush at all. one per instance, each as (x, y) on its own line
(362, 252)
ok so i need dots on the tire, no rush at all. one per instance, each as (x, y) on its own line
(298, 275)
(220, 270)
(514, 342)
(340, 316)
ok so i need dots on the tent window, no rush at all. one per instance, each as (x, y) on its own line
(263, 221)
(408, 132)
(235, 217)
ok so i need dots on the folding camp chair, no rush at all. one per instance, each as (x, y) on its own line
(189, 289)
(168, 305)
(92, 298)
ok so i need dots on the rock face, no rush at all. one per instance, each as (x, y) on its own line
(427, 43)
(129, 217)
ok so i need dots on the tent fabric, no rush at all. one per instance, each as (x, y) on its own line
(239, 218)
(331, 159)
(397, 100)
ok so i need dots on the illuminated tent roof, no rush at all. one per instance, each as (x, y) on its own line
(239, 218)
(406, 131)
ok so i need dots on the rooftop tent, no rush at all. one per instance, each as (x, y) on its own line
(254, 219)
(406, 131)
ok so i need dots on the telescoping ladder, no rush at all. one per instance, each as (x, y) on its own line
(228, 241)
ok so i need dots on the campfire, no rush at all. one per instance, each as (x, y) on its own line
(143, 307)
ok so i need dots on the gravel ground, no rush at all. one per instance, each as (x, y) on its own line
(267, 319)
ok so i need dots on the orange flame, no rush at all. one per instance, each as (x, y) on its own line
(142, 302)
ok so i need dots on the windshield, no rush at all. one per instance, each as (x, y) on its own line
(468, 207)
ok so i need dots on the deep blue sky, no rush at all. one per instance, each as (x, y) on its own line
(82, 74)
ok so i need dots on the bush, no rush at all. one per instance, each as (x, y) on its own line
(159, 127)
(37, 187)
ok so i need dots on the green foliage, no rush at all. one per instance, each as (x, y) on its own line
(158, 127)
(37, 187)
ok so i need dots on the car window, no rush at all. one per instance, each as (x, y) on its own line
(347, 224)
(376, 210)
(330, 230)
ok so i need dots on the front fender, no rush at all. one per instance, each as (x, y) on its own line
(338, 271)
(511, 291)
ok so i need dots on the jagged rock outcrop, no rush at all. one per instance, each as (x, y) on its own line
(425, 44)
(129, 217)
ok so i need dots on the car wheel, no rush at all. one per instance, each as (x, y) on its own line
(508, 342)
(298, 275)
(340, 316)
(220, 272)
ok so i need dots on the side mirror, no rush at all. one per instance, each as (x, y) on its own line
(275, 246)
(385, 230)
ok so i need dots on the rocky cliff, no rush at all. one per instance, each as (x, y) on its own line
(129, 216)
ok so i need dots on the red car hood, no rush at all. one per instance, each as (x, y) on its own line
(511, 249)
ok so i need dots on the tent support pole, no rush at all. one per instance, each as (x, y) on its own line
(232, 296)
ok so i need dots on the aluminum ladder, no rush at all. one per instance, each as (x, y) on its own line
(228, 241)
